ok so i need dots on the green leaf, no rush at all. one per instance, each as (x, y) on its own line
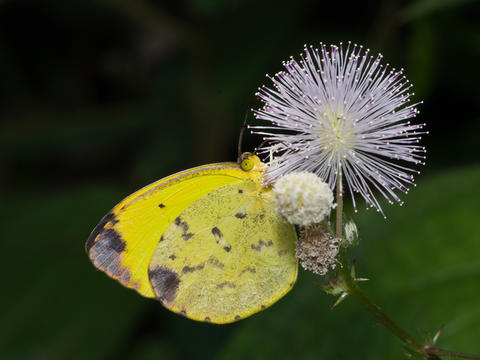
(424, 268)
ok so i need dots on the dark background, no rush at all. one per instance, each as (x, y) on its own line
(98, 98)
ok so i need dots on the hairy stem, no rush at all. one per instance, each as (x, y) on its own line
(344, 275)
(417, 348)
(339, 210)
(382, 318)
(438, 352)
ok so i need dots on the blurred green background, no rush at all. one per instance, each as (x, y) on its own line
(100, 97)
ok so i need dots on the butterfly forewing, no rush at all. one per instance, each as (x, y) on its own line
(123, 243)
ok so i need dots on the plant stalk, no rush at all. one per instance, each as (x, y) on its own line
(382, 318)
(339, 209)
(344, 275)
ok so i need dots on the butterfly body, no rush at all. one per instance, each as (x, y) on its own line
(206, 242)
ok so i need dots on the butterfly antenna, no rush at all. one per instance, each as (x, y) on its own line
(242, 131)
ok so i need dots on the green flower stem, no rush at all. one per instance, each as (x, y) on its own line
(345, 277)
(440, 352)
(354, 290)
(414, 346)
(339, 208)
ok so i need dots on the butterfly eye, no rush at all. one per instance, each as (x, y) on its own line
(247, 164)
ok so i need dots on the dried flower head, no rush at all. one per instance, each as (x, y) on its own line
(303, 198)
(341, 112)
(317, 250)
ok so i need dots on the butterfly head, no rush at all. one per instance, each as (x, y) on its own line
(251, 163)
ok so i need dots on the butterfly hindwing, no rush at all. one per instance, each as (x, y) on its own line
(227, 256)
(123, 243)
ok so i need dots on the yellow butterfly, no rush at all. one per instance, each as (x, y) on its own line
(206, 242)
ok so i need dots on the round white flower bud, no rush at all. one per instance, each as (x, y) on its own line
(303, 198)
(351, 233)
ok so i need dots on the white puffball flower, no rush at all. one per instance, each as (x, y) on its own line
(303, 198)
(339, 112)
